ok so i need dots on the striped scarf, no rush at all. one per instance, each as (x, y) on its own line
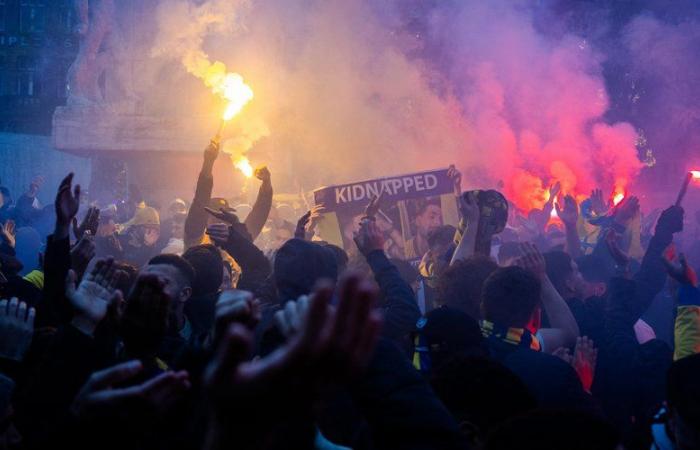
(513, 336)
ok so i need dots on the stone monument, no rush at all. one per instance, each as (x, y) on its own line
(108, 118)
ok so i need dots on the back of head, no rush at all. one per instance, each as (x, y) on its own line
(509, 297)
(554, 430)
(185, 270)
(299, 264)
(559, 269)
(447, 332)
(208, 267)
(481, 393)
(460, 285)
(341, 256)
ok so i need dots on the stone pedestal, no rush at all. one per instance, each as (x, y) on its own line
(162, 155)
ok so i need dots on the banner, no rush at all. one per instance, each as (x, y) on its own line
(413, 206)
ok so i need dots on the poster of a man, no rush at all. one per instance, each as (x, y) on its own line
(425, 217)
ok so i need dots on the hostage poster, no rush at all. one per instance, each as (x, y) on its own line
(413, 206)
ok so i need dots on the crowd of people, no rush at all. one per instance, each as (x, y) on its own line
(210, 325)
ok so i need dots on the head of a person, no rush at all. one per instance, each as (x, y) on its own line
(178, 275)
(510, 296)
(341, 256)
(564, 274)
(448, 332)
(683, 399)
(208, 267)
(460, 285)
(298, 265)
(176, 207)
(508, 252)
(217, 203)
(428, 217)
(481, 394)
(145, 226)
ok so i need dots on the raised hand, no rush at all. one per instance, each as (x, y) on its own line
(225, 215)
(682, 273)
(262, 173)
(81, 254)
(626, 210)
(369, 237)
(598, 205)
(456, 177)
(671, 220)
(584, 361)
(16, 328)
(568, 213)
(308, 222)
(7, 233)
(94, 295)
(469, 208)
(89, 225)
(532, 260)
(236, 306)
(372, 208)
(328, 345)
(100, 396)
(35, 185)
(66, 204)
(218, 232)
(554, 191)
(289, 319)
(620, 258)
(211, 152)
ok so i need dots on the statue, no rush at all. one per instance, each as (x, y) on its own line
(97, 76)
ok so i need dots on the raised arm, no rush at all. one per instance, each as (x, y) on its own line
(564, 329)
(196, 221)
(568, 213)
(261, 209)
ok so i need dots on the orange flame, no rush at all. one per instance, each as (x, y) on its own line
(618, 197)
(229, 86)
(243, 164)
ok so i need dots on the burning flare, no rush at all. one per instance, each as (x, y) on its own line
(227, 85)
(243, 164)
(696, 174)
(618, 197)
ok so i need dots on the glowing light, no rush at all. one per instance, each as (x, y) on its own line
(617, 198)
(229, 86)
(696, 174)
(243, 164)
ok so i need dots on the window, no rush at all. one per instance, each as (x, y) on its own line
(3, 14)
(32, 16)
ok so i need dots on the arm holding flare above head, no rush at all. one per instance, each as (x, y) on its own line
(196, 221)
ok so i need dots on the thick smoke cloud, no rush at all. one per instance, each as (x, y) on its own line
(355, 89)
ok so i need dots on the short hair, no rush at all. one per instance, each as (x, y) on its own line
(183, 267)
(208, 268)
(449, 332)
(509, 296)
(341, 256)
(559, 268)
(683, 389)
(460, 285)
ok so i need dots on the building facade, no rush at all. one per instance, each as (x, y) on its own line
(37, 46)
